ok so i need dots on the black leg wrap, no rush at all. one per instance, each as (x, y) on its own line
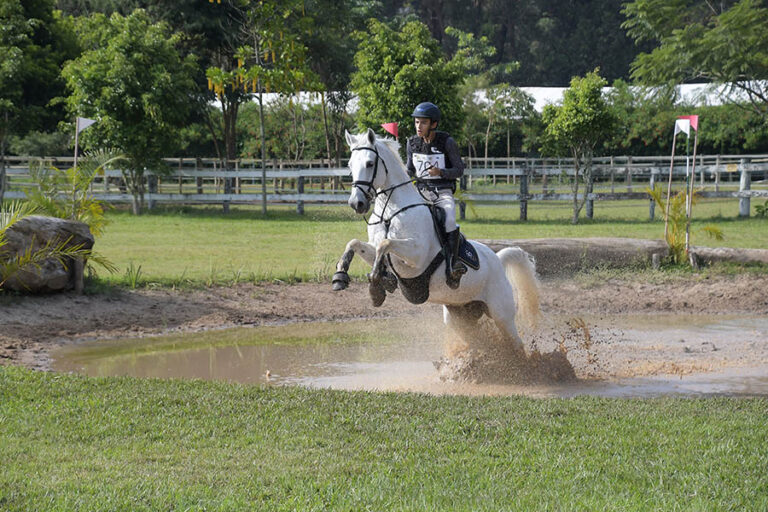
(340, 281)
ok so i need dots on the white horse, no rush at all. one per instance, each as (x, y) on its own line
(402, 238)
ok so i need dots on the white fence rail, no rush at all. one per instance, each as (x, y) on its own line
(504, 180)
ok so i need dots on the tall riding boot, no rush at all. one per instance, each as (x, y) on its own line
(456, 268)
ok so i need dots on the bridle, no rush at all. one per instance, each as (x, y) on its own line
(370, 190)
(371, 193)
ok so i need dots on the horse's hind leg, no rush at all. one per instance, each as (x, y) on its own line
(463, 319)
(501, 309)
(365, 250)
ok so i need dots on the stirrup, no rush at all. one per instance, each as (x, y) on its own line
(453, 278)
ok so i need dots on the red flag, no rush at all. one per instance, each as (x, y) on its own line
(390, 128)
(693, 119)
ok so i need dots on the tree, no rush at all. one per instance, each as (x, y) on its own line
(34, 43)
(131, 78)
(270, 58)
(578, 126)
(506, 105)
(13, 37)
(720, 42)
(397, 70)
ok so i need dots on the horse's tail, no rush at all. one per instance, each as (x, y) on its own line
(520, 268)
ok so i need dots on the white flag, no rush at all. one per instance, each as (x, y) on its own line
(683, 125)
(83, 123)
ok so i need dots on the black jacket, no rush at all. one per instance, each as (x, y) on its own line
(442, 147)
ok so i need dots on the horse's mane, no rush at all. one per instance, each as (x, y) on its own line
(393, 146)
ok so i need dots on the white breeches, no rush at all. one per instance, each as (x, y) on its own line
(443, 198)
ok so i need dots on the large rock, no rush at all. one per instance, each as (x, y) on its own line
(33, 233)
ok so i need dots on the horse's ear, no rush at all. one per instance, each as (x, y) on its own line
(371, 136)
(350, 138)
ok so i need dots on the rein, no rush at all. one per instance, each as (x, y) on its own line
(371, 193)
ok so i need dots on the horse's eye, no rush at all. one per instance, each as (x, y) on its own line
(369, 164)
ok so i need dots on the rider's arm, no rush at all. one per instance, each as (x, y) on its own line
(454, 159)
(409, 161)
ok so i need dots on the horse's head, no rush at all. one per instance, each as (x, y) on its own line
(369, 172)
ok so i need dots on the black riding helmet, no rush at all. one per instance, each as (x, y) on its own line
(428, 110)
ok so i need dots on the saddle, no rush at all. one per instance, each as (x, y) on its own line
(416, 289)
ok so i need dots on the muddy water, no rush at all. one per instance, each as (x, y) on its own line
(619, 356)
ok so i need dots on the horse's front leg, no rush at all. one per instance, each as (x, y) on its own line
(365, 250)
(409, 250)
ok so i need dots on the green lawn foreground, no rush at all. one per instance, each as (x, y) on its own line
(204, 246)
(75, 443)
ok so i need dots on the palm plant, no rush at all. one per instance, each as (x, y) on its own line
(678, 220)
(66, 193)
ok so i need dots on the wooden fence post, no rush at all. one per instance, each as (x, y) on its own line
(629, 174)
(300, 190)
(588, 188)
(652, 203)
(744, 185)
(199, 180)
(717, 173)
(237, 179)
(152, 189)
(227, 185)
(524, 192)
(181, 189)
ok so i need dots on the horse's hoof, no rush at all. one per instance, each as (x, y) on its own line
(378, 294)
(340, 281)
(389, 281)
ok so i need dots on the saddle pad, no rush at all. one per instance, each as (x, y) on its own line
(468, 254)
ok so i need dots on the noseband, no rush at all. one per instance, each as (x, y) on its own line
(370, 190)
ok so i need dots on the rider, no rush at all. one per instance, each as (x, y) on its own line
(433, 158)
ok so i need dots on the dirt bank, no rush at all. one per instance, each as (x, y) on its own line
(30, 327)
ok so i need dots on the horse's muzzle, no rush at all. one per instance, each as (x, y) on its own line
(358, 201)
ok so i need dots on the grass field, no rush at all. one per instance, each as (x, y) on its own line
(75, 443)
(177, 246)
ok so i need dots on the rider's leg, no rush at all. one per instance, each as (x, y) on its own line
(455, 268)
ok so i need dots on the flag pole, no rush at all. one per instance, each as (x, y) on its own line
(669, 188)
(77, 136)
(689, 210)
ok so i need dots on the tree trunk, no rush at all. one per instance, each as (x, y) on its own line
(263, 153)
(230, 143)
(575, 187)
(2, 156)
(134, 180)
(582, 160)
(487, 135)
(325, 127)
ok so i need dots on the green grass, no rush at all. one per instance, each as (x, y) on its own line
(75, 443)
(197, 246)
